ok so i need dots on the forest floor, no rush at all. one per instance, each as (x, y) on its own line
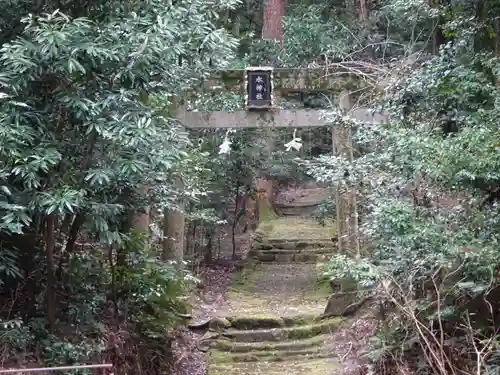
(270, 311)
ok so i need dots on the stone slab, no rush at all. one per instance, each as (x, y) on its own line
(277, 118)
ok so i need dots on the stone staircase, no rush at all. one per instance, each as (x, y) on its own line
(272, 320)
(279, 317)
(293, 239)
(272, 345)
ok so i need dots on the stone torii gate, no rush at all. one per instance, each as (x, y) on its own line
(263, 87)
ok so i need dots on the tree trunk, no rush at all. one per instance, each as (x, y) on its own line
(191, 240)
(114, 292)
(236, 25)
(173, 232)
(51, 279)
(239, 212)
(497, 38)
(350, 6)
(274, 11)
(140, 222)
(141, 218)
(74, 230)
(76, 225)
(209, 250)
(236, 217)
(364, 11)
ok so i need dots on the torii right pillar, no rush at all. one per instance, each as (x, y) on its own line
(345, 196)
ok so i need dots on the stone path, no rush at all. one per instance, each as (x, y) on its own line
(271, 322)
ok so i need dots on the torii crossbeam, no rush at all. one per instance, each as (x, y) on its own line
(282, 81)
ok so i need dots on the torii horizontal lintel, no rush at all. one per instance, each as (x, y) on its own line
(282, 118)
(287, 80)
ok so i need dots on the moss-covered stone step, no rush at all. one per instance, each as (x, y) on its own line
(268, 356)
(282, 228)
(298, 209)
(307, 250)
(281, 334)
(292, 244)
(228, 345)
(287, 256)
(267, 321)
(298, 258)
(291, 366)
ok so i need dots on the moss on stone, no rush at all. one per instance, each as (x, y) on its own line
(288, 79)
(218, 324)
(267, 356)
(303, 332)
(266, 216)
(284, 333)
(288, 366)
(226, 345)
(292, 227)
(296, 332)
(222, 344)
(303, 319)
(256, 291)
(243, 280)
(262, 321)
(322, 288)
(257, 321)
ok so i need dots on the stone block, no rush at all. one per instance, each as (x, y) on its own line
(339, 302)
(284, 258)
(322, 257)
(288, 245)
(262, 246)
(305, 257)
(266, 257)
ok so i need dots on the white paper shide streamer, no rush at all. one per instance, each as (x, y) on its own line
(295, 143)
(225, 147)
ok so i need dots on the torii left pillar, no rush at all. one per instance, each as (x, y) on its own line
(174, 223)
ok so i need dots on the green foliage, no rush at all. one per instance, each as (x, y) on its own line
(342, 267)
(87, 94)
(153, 288)
(57, 352)
(325, 210)
(9, 265)
(430, 201)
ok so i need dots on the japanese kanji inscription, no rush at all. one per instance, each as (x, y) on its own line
(259, 88)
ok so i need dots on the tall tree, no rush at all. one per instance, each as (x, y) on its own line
(274, 11)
